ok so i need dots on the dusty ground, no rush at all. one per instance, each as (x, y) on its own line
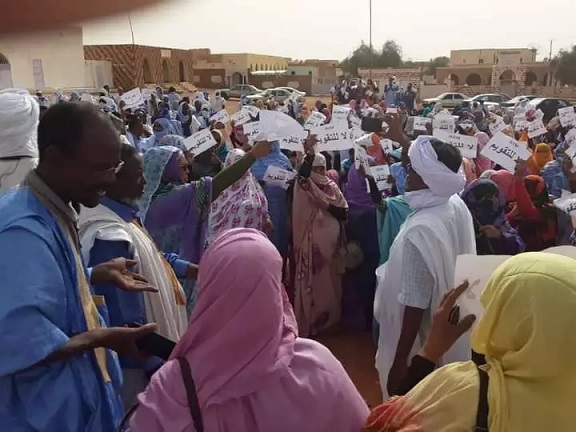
(356, 351)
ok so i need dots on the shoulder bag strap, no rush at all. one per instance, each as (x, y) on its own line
(482, 412)
(191, 395)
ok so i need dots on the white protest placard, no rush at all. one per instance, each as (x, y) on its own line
(505, 151)
(467, 145)
(365, 140)
(538, 115)
(391, 110)
(132, 98)
(314, 120)
(200, 142)
(146, 93)
(355, 121)
(387, 145)
(251, 130)
(361, 158)
(355, 133)
(240, 117)
(570, 139)
(292, 143)
(275, 125)
(567, 117)
(444, 122)
(478, 269)
(340, 114)
(566, 203)
(254, 111)
(332, 137)
(381, 174)
(496, 124)
(536, 128)
(278, 176)
(420, 124)
(520, 125)
(221, 117)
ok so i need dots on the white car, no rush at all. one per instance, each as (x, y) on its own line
(278, 94)
(293, 90)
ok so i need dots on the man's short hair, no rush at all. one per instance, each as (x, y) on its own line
(63, 125)
(447, 154)
(127, 152)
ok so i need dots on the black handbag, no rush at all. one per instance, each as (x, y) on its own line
(191, 395)
(482, 410)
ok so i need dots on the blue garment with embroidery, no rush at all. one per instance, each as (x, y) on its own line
(39, 311)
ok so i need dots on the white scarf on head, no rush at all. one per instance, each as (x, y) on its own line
(19, 113)
(442, 182)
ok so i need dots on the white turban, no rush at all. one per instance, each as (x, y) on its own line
(19, 114)
(440, 179)
(319, 160)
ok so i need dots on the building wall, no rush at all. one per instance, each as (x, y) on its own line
(97, 73)
(265, 62)
(303, 70)
(137, 65)
(209, 78)
(60, 54)
(524, 74)
(507, 57)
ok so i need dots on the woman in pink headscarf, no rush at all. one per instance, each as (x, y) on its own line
(482, 163)
(251, 371)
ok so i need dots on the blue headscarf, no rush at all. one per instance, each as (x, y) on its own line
(399, 173)
(275, 158)
(552, 172)
(173, 141)
(167, 128)
(155, 161)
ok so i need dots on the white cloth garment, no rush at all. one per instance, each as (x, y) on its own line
(19, 113)
(440, 233)
(438, 177)
(13, 171)
(161, 307)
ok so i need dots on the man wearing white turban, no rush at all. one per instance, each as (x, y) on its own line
(422, 258)
(19, 114)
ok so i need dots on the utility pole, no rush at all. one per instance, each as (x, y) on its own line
(133, 65)
(550, 54)
(371, 49)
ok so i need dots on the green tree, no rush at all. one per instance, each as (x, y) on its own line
(564, 65)
(436, 63)
(364, 57)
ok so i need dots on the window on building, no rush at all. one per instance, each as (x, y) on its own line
(520, 59)
(293, 73)
(481, 61)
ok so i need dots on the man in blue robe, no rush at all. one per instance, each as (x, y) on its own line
(58, 372)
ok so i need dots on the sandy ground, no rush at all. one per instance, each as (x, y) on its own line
(357, 351)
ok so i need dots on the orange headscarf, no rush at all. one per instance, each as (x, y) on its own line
(541, 156)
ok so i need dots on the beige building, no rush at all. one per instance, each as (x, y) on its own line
(237, 67)
(504, 70)
(50, 60)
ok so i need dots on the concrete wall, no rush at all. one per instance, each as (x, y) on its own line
(507, 57)
(97, 73)
(57, 55)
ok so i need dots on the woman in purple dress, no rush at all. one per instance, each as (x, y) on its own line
(174, 211)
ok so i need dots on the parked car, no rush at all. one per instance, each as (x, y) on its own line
(293, 90)
(448, 100)
(239, 90)
(511, 103)
(494, 99)
(549, 106)
(278, 94)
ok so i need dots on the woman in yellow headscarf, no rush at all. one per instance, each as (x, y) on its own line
(541, 156)
(528, 337)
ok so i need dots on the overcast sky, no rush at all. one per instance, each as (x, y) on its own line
(331, 29)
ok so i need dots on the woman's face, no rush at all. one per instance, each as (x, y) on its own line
(157, 127)
(183, 167)
(319, 170)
